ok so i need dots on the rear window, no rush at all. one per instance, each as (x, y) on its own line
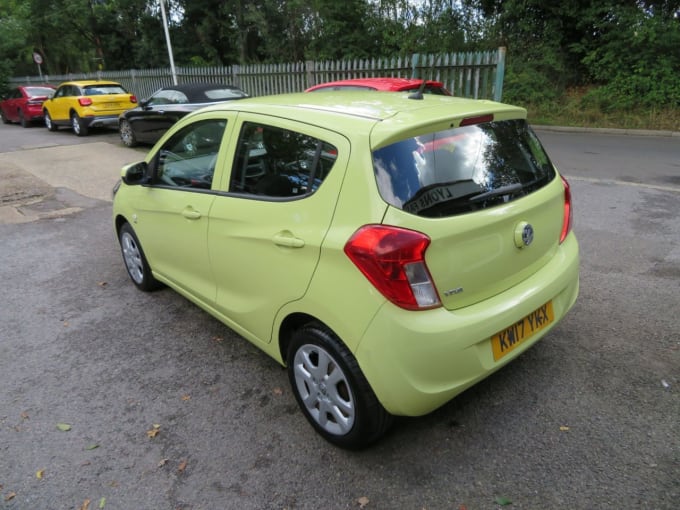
(461, 170)
(97, 90)
(39, 91)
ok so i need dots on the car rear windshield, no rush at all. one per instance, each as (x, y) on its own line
(463, 169)
(39, 91)
(96, 90)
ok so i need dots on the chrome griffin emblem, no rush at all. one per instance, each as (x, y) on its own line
(524, 234)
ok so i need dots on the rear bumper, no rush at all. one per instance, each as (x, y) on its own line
(110, 121)
(418, 361)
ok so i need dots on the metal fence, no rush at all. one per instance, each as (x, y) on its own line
(477, 75)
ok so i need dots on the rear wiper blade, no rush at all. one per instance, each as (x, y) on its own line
(503, 190)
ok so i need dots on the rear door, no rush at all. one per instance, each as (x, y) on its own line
(265, 234)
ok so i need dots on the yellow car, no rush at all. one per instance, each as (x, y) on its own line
(87, 104)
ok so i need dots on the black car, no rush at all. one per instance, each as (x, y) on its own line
(152, 118)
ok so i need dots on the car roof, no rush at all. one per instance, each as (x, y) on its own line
(379, 83)
(85, 83)
(384, 117)
(195, 91)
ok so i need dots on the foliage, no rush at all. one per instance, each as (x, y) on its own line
(626, 49)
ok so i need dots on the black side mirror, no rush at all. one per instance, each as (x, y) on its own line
(136, 173)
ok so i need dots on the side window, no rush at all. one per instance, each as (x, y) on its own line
(276, 162)
(187, 160)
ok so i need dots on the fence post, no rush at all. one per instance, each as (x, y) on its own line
(415, 71)
(500, 73)
(309, 74)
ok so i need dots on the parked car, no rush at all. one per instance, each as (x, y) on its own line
(87, 104)
(390, 252)
(153, 116)
(24, 104)
(385, 85)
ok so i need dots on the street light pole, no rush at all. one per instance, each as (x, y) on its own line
(167, 40)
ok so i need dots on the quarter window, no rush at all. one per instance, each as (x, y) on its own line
(275, 162)
(187, 160)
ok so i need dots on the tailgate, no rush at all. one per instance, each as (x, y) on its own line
(475, 256)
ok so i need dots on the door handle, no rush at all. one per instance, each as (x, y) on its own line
(190, 213)
(288, 240)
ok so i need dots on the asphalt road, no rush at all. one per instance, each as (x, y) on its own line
(587, 419)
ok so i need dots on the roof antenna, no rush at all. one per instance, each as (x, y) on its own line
(418, 94)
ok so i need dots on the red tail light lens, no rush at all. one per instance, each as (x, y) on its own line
(568, 212)
(133, 99)
(393, 260)
(84, 101)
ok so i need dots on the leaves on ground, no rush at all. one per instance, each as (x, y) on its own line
(163, 462)
(278, 391)
(363, 501)
(503, 501)
(102, 503)
(39, 474)
(85, 505)
(182, 466)
(10, 496)
(92, 447)
(24, 415)
(64, 427)
(186, 398)
(564, 428)
(154, 431)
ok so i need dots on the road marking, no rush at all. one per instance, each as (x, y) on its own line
(658, 187)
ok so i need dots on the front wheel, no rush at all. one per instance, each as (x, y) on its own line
(49, 123)
(331, 390)
(135, 260)
(79, 128)
(127, 135)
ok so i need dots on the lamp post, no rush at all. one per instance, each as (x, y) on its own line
(167, 40)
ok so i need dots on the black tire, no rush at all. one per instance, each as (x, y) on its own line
(331, 390)
(5, 120)
(48, 122)
(135, 261)
(127, 135)
(79, 127)
(22, 120)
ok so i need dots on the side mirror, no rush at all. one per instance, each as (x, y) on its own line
(136, 173)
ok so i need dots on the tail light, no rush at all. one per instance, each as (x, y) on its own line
(133, 99)
(84, 101)
(568, 212)
(393, 260)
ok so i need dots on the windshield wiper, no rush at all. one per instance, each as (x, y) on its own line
(503, 190)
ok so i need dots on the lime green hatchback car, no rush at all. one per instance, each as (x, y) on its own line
(389, 250)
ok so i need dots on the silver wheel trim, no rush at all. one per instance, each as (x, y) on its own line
(48, 120)
(324, 389)
(126, 132)
(76, 124)
(132, 257)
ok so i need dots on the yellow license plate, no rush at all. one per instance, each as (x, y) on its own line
(505, 341)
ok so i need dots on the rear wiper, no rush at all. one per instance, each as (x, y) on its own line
(503, 190)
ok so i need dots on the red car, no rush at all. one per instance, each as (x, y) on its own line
(384, 84)
(24, 104)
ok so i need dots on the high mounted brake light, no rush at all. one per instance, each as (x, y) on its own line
(481, 119)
